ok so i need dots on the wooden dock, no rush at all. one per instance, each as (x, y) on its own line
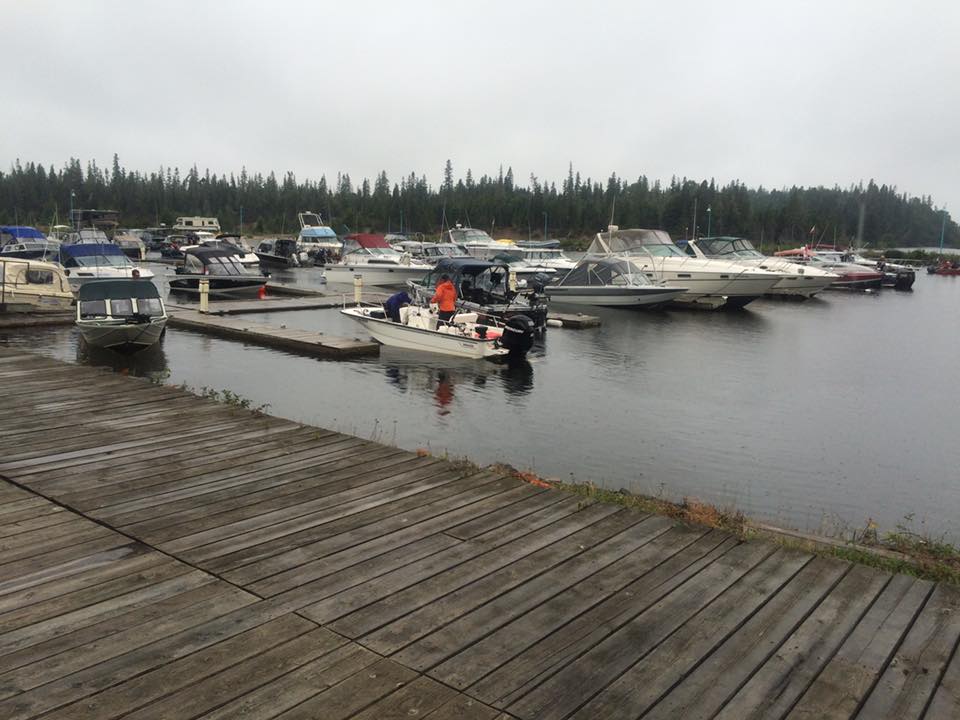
(307, 342)
(163, 556)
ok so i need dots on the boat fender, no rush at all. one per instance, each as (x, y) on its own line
(553, 322)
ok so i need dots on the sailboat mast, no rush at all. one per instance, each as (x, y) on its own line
(943, 227)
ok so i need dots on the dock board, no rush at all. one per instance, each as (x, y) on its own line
(323, 575)
(300, 341)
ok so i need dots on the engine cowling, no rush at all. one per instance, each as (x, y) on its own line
(517, 335)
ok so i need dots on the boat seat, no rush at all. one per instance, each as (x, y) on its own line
(414, 318)
(468, 317)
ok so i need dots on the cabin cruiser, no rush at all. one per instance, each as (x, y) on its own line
(18, 241)
(375, 261)
(488, 288)
(420, 328)
(85, 261)
(131, 244)
(609, 281)
(31, 286)
(850, 276)
(797, 280)
(478, 243)
(237, 245)
(221, 267)
(278, 252)
(315, 235)
(710, 283)
(120, 314)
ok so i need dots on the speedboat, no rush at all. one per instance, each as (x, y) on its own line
(96, 260)
(315, 236)
(236, 245)
(478, 243)
(375, 261)
(611, 282)
(18, 241)
(30, 286)
(120, 314)
(488, 288)
(945, 267)
(464, 336)
(221, 268)
(278, 252)
(796, 279)
(710, 283)
(850, 276)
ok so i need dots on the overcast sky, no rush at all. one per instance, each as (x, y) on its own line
(769, 93)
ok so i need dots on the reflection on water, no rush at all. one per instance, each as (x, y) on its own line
(810, 415)
(149, 363)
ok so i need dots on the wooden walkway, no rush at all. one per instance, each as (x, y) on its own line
(162, 556)
(308, 342)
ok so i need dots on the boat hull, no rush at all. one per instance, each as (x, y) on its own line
(383, 275)
(739, 286)
(122, 336)
(392, 334)
(13, 301)
(636, 297)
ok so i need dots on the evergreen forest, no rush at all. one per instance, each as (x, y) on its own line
(31, 194)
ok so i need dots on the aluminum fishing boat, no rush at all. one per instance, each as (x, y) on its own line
(120, 314)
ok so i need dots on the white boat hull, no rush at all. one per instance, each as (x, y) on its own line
(383, 275)
(737, 284)
(387, 332)
(18, 301)
(613, 296)
(121, 335)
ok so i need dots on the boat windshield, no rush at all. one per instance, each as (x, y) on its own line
(737, 247)
(605, 271)
(225, 266)
(381, 252)
(119, 261)
(470, 236)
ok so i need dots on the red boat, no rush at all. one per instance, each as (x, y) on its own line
(946, 267)
(851, 275)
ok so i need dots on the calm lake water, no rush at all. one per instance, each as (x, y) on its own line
(815, 415)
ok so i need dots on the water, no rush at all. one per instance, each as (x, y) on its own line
(815, 415)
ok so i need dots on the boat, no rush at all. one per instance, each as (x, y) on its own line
(711, 283)
(850, 276)
(896, 276)
(95, 260)
(606, 281)
(278, 252)
(20, 241)
(478, 243)
(945, 267)
(316, 238)
(131, 244)
(32, 286)
(221, 267)
(433, 253)
(463, 336)
(120, 314)
(484, 287)
(797, 280)
(235, 244)
(375, 261)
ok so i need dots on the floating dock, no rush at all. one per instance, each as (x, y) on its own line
(577, 321)
(164, 556)
(307, 342)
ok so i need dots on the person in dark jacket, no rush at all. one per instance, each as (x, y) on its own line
(394, 303)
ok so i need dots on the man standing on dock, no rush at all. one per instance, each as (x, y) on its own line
(446, 298)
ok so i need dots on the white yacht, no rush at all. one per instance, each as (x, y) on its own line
(96, 259)
(315, 235)
(711, 283)
(478, 243)
(797, 280)
(375, 261)
(18, 241)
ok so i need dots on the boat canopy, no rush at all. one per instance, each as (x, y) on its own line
(634, 242)
(724, 245)
(365, 241)
(78, 250)
(117, 290)
(599, 271)
(22, 232)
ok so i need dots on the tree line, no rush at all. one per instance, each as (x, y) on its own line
(31, 194)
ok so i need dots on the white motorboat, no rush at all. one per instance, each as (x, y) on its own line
(316, 236)
(375, 261)
(278, 252)
(90, 259)
(435, 252)
(18, 241)
(710, 283)
(120, 314)
(221, 268)
(30, 286)
(419, 328)
(798, 280)
(605, 281)
(478, 243)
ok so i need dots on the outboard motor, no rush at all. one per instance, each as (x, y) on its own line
(538, 282)
(517, 335)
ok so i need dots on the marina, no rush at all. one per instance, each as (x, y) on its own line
(323, 574)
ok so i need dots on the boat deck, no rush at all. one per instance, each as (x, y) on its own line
(153, 564)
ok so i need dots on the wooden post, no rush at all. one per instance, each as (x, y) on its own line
(204, 295)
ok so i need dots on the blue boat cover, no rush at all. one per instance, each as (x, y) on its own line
(22, 231)
(90, 249)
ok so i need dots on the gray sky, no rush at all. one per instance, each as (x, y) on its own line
(771, 93)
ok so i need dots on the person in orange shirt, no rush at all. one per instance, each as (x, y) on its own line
(446, 298)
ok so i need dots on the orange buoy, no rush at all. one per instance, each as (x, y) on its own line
(262, 292)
